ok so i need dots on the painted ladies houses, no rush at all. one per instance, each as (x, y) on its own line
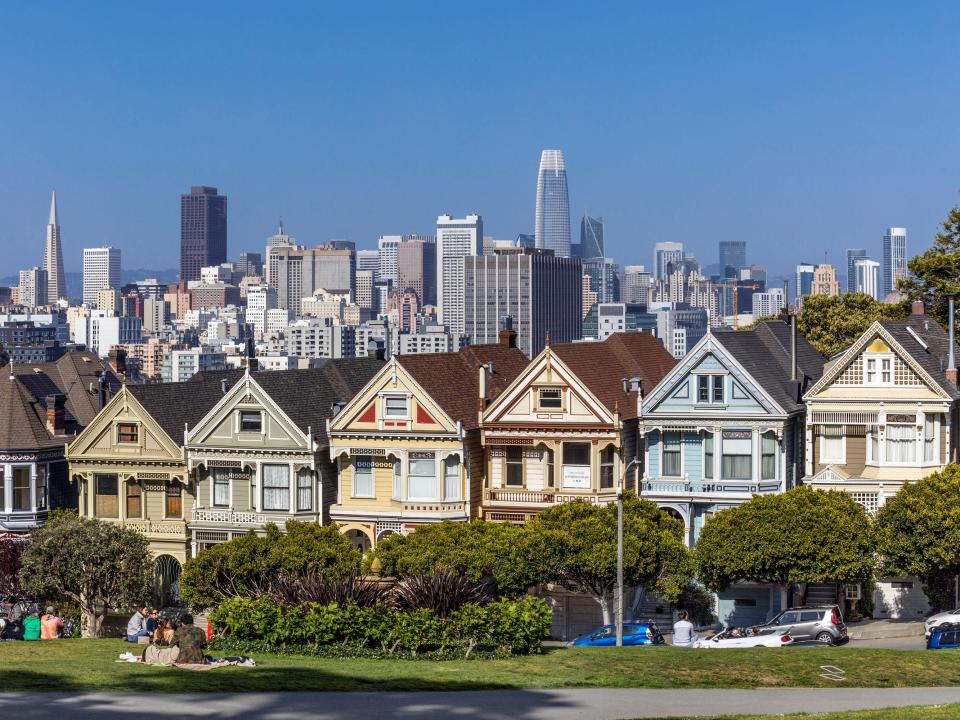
(566, 427)
(42, 407)
(885, 413)
(408, 445)
(260, 454)
(727, 423)
(129, 464)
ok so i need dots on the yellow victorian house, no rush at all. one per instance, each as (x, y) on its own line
(407, 446)
(130, 466)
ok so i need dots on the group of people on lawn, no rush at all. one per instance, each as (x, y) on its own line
(167, 641)
(32, 624)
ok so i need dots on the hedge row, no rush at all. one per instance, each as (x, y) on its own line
(516, 627)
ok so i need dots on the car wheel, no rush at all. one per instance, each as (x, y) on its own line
(825, 637)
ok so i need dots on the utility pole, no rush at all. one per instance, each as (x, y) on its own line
(623, 483)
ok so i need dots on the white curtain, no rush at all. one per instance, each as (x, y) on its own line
(832, 443)
(221, 486)
(928, 438)
(451, 478)
(276, 487)
(362, 477)
(423, 479)
(901, 444)
(304, 490)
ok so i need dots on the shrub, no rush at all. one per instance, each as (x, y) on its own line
(443, 591)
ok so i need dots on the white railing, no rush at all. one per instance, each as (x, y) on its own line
(434, 507)
(150, 527)
(708, 487)
(228, 517)
(519, 496)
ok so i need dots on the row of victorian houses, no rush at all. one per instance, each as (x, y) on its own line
(382, 447)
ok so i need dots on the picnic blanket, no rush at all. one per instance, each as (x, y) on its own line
(240, 661)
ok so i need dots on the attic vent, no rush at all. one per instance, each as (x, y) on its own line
(87, 360)
(37, 370)
(917, 338)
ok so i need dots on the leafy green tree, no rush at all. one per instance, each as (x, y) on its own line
(831, 324)
(918, 534)
(474, 549)
(575, 544)
(248, 565)
(98, 565)
(935, 274)
(803, 535)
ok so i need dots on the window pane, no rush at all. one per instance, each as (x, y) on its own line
(451, 478)
(362, 476)
(174, 500)
(251, 421)
(395, 407)
(718, 388)
(831, 443)
(105, 501)
(514, 466)
(276, 487)
(901, 444)
(576, 453)
(127, 433)
(397, 480)
(928, 438)
(221, 486)
(551, 398)
(21, 488)
(423, 478)
(3, 490)
(708, 456)
(768, 456)
(41, 487)
(736, 462)
(606, 468)
(304, 490)
(703, 388)
(133, 500)
(671, 454)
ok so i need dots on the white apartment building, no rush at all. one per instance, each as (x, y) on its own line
(387, 246)
(180, 365)
(457, 238)
(665, 253)
(768, 303)
(433, 339)
(100, 331)
(33, 287)
(260, 299)
(867, 273)
(310, 338)
(101, 271)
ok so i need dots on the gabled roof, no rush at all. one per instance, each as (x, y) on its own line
(23, 399)
(934, 358)
(764, 353)
(453, 379)
(602, 367)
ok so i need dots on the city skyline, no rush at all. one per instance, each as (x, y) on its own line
(763, 148)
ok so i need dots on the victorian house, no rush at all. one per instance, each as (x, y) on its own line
(885, 413)
(42, 407)
(725, 424)
(566, 427)
(407, 446)
(260, 454)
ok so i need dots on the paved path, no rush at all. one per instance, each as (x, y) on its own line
(592, 704)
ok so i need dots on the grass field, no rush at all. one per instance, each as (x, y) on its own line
(928, 712)
(89, 665)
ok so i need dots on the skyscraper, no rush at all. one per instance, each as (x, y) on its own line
(604, 276)
(457, 238)
(866, 272)
(203, 230)
(733, 253)
(56, 281)
(825, 281)
(894, 259)
(101, 271)
(369, 260)
(804, 281)
(417, 270)
(665, 253)
(635, 285)
(591, 237)
(279, 240)
(552, 227)
(387, 246)
(852, 256)
(33, 287)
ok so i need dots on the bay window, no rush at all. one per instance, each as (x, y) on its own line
(515, 466)
(831, 444)
(671, 454)
(901, 444)
(768, 456)
(422, 479)
(708, 456)
(736, 462)
(304, 489)
(929, 436)
(276, 486)
(363, 476)
(451, 478)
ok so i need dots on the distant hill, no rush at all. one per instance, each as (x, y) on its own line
(75, 279)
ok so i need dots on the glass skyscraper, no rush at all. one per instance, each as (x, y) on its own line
(894, 259)
(733, 253)
(552, 230)
(853, 255)
(591, 237)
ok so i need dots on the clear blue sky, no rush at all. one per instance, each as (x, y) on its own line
(802, 129)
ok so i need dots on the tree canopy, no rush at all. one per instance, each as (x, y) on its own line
(832, 323)
(246, 565)
(918, 533)
(803, 535)
(935, 274)
(99, 565)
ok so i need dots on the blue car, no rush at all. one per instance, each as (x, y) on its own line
(944, 636)
(633, 634)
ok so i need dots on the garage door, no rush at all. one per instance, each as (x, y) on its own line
(741, 606)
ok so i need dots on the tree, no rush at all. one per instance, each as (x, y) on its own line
(802, 535)
(474, 549)
(576, 545)
(935, 275)
(918, 534)
(249, 565)
(833, 323)
(11, 559)
(98, 565)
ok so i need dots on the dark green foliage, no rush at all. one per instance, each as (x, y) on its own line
(832, 324)
(697, 600)
(313, 586)
(443, 591)
(935, 275)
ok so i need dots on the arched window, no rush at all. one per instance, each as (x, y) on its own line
(134, 500)
(166, 581)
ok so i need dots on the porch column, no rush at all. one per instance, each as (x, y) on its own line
(293, 483)
(781, 447)
(808, 448)
(7, 488)
(755, 454)
(717, 453)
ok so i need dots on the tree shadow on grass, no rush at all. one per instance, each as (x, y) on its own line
(171, 694)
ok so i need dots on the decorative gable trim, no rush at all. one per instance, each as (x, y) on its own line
(830, 474)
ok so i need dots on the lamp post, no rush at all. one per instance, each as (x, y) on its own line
(623, 483)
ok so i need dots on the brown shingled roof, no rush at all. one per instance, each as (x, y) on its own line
(602, 366)
(453, 379)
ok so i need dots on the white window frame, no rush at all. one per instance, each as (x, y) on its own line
(455, 496)
(353, 477)
(395, 396)
(824, 460)
(703, 455)
(213, 488)
(936, 460)
(878, 369)
(663, 449)
(437, 462)
(263, 424)
(917, 446)
(712, 378)
(562, 398)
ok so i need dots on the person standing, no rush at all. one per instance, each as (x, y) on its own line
(31, 625)
(683, 635)
(191, 640)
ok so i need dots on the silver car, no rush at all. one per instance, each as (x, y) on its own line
(823, 624)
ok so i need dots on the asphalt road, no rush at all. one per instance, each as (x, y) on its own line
(592, 704)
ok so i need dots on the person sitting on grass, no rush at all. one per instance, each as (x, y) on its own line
(137, 627)
(51, 625)
(683, 635)
(14, 626)
(163, 634)
(31, 625)
(191, 640)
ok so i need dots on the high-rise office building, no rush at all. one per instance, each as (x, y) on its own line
(591, 237)
(366, 299)
(770, 302)
(279, 240)
(733, 254)
(894, 259)
(203, 230)
(250, 265)
(604, 276)
(552, 226)
(56, 281)
(852, 256)
(665, 253)
(369, 260)
(635, 285)
(417, 270)
(387, 246)
(804, 281)
(301, 272)
(540, 292)
(33, 287)
(825, 281)
(101, 271)
(867, 275)
(457, 238)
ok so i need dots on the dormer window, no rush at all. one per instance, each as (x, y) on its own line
(128, 433)
(710, 389)
(550, 398)
(395, 406)
(251, 421)
(878, 370)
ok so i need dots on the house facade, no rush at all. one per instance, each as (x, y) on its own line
(885, 413)
(725, 424)
(407, 447)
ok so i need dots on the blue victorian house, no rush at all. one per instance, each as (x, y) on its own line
(725, 424)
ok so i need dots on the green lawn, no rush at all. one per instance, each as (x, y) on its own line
(928, 712)
(89, 665)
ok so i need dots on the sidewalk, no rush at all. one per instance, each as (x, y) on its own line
(882, 629)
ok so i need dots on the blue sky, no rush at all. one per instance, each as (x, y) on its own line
(802, 129)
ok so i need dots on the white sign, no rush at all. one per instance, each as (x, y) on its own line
(576, 476)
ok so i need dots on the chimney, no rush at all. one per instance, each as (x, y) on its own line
(102, 389)
(508, 336)
(118, 359)
(483, 385)
(952, 361)
(793, 348)
(917, 308)
(55, 414)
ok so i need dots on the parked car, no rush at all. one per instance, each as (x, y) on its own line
(760, 636)
(949, 616)
(633, 634)
(945, 635)
(823, 624)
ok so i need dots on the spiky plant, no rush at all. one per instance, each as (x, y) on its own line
(443, 591)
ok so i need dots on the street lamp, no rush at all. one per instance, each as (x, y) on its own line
(623, 483)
